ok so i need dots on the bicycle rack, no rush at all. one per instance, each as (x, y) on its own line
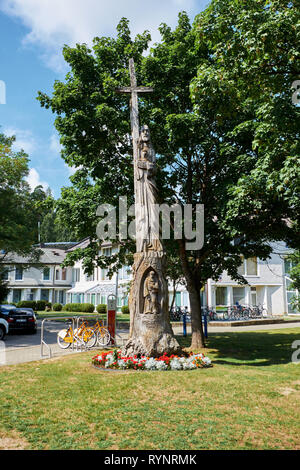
(77, 346)
(43, 342)
(112, 337)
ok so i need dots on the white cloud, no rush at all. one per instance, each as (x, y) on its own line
(55, 145)
(53, 23)
(34, 180)
(24, 139)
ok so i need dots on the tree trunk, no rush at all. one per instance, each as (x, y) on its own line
(174, 295)
(193, 288)
(198, 339)
(151, 333)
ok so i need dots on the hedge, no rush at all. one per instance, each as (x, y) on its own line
(125, 309)
(86, 308)
(27, 304)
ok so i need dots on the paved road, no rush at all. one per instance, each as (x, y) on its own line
(22, 348)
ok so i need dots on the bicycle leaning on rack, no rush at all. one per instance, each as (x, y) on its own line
(82, 336)
(85, 335)
(102, 333)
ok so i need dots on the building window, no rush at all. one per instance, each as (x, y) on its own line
(253, 296)
(106, 252)
(75, 275)
(248, 267)
(19, 274)
(178, 299)
(30, 294)
(45, 294)
(238, 295)
(89, 277)
(185, 299)
(251, 267)
(46, 274)
(63, 274)
(57, 275)
(291, 295)
(104, 274)
(124, 273)
(17, 295)
(221, 296)
(61, 297)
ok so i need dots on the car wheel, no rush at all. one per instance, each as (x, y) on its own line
(2, 333)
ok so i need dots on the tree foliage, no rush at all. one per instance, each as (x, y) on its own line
(16, 230)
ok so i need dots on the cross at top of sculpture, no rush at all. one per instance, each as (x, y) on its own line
(134, 108)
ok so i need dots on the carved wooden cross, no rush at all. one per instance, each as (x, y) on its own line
(134, 107)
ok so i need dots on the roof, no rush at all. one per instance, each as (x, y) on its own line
(95, 289)
(48, 256)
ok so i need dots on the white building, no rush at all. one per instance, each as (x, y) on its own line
(96, 288)
(268, 285)
(45, 280)
(268, 282)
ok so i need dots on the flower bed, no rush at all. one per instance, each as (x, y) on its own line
(114, 360)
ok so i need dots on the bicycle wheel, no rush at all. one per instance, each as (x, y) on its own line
(62, 343)
(103, 337)
(89, 338)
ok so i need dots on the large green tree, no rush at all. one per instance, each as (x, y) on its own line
(16, 230)
(210, 127)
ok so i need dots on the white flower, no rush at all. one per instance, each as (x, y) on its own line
(109, 360)
(176, 364)
(150, 364)
(206, 361)
(161, 365)
(122, 364)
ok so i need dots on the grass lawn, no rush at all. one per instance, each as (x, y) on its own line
(248, 400)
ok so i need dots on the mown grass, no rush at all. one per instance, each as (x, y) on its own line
(249, 399)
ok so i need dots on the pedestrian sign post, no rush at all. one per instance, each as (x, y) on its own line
(111, 316)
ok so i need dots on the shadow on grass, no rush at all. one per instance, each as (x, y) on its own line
(260, 348)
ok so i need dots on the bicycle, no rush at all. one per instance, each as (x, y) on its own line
(210, 314)
(82, 336)
(102, 333)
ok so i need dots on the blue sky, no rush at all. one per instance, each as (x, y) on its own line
(32, 33)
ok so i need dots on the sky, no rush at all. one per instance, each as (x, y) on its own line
(32, 34)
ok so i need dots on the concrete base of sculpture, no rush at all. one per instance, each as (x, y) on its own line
(151, 333)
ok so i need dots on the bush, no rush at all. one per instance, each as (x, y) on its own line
(41, 305)
(125, 309)
(27, 304)
(101, 308)
(87, 308)
(57, 307)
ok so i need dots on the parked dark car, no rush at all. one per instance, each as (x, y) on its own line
(19, 319)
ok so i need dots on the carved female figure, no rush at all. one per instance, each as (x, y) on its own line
(151, 292)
